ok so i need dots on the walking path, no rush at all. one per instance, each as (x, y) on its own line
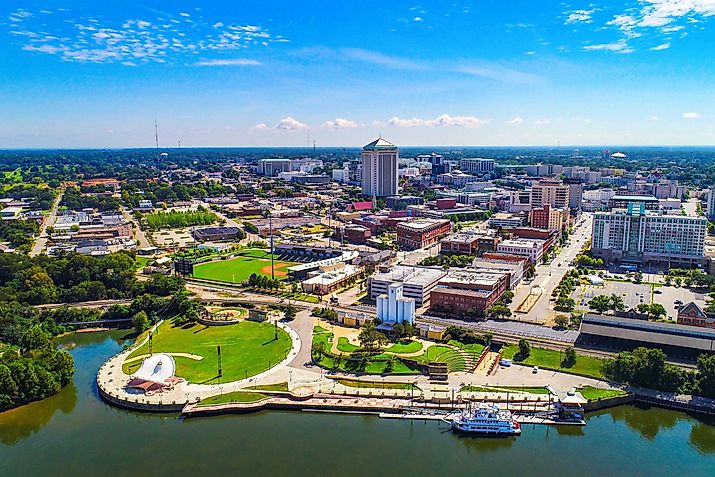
(41, 242)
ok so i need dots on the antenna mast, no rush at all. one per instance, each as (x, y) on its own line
(156, 138)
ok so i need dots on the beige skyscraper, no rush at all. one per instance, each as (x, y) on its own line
(380, 160)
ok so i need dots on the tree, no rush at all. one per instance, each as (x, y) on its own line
(498, 311)
(569, 358)
(371, 339)
(507, 297)
(561, 322)
(657, 311)
(600, 303)
(318, 350)
(638, 277)
(8, 388)
(140, 321)
(706, 375)
(524, 350)
(34, 338)
(617, 303)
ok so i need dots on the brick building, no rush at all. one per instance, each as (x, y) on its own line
(422, 233)
(468, 294)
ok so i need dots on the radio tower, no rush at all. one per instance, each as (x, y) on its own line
(156, 138)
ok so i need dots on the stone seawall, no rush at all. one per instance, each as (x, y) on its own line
(592, 406)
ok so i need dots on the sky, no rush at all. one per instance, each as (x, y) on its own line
(340, 73)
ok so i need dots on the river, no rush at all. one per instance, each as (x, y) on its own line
(75, 433)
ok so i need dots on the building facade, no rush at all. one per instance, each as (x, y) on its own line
(380, 161)
(549, 218)
(422, 233)
(550, 192)
(476, 165)
(273, 167)
(394, 308)
(636, 235)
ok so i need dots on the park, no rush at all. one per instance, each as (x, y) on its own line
(247, 348)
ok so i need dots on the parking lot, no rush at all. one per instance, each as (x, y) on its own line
(632, 294)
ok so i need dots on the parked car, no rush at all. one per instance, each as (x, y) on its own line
(535, 370)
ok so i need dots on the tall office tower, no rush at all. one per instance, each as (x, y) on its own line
(550, 192)
(575, 193)
(379, 168)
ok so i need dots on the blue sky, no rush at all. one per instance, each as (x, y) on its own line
(276, 73)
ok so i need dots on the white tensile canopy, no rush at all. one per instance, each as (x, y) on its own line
(157, 368)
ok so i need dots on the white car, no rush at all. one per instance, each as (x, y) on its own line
(535, 370)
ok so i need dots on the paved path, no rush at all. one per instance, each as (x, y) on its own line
(140, 236)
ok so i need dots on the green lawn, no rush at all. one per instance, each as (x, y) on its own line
(594, 394)
(345, 346)
(550, 359)
(142, 262)
(236, 396)
(375, 364)
(406, 347)
(518, 389)
(475, 349)
(352, 383)
(271, 387)
(444, 354)
(247, 348)
(237, 270)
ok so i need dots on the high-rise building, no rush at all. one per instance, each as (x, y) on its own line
(638, 235)
(550, 192)
(476, 165)
(710, 209)
(273, 167)
(380, 161)
(575, 193)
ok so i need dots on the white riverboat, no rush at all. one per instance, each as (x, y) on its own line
(487, 420)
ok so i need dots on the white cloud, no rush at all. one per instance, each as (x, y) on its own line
(517, 120)
(620, 46)
(444, 120)
(692, 115)
(339, 123)
(579, 16)
(654, 118)
(663, 46)
(260, 127)
(542, 122)
(136, 41)
(235, 62)
(184, 14)
(417, 19)
(290, 124)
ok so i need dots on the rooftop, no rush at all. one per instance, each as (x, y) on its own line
(422, 224)
(413, 275)
(378, 144)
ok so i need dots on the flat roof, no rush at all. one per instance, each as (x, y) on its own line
(635, 198)
(423, 223)
(650, 326)
(411, 275)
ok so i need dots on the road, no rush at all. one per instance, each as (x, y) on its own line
(86, 304)
(548, 276)
(140, 236)
(39, 246)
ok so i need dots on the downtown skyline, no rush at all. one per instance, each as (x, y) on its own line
(276, 73)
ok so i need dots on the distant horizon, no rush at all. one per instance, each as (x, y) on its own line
(563, 148)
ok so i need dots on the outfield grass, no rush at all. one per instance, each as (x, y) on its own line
(237, 270)
(594, 394)
(247, 348)
(236, 396)
(550, 359)
(404, 348)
